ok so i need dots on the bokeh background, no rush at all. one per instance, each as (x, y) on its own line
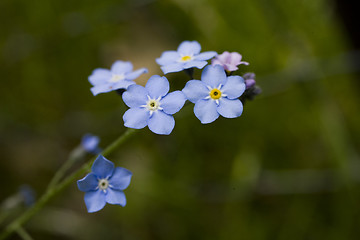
(288, 168)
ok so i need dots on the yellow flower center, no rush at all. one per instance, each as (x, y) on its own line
(116, 78)
(215, 93)
(185, 58)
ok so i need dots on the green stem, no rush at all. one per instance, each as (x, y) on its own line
(74, 156)
(23, 234)
(51, 192)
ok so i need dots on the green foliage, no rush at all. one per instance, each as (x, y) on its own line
(287, 168)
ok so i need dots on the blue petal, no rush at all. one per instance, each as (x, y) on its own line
(195, 63)
(115, 197)
(157, 86)
(161, 123)
(120, 178)
(88, 183)
(205, 111)
(173, 102)
(102, 167)
(168, 57)
(107, 87)
(135, 96)
(230, 108)
(121, 67)
(189, 48)
(205, 55)
(94, 200)
(234, 87)
(123, 84)
(99, 76)
(135, 74)
(136, 118)
(195, 90)
(213, 76)
(176, 67)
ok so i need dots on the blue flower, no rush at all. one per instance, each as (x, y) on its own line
(152, 106)
(120, 76)
(187, 56)
(90, 143)
(104, 185)
(216, 94)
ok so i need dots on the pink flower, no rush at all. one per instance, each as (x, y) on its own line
(229, 61)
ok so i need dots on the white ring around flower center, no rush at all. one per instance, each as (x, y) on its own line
(103, 184)
(116, 78)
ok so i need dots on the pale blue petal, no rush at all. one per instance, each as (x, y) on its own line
(161, 123)
(205, 55)
(195, 63)
(176, 67)
(121, 67)
(114, 196)
(136, 118)
(99, 76)
(88, 183)
(213, 76)
(135, 74)
(123, 84)
(230, 108)
(205, 111)
(94, 200)
(107, 87)
(157, 86)
(195, 90)
(173, 102)
(189, 48)
(102, 167)
(168, 57)
(234, 87)
(135, 96)
(120, 178)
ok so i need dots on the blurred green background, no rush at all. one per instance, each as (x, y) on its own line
(288, 168)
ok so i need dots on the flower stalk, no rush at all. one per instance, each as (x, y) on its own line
(53, 191)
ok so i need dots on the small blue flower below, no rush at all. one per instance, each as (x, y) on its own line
(120, 76)
(187, 56)
(216, 94)
(152, 106)
(105, 184)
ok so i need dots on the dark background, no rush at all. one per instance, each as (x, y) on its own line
(288, 168)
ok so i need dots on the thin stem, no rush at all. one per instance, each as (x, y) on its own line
(24, 234)
(50, 193)
(74, 155)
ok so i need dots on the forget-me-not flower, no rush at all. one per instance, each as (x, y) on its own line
(187, 56)
(120, 76)
(152, 106)
(216, 94)
(229, 61)
(105, 184)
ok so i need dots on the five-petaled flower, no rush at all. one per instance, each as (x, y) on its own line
(152, 106)
(215, 94)
(104, 184)
(229, 61)
(120, 76)
(187, 56)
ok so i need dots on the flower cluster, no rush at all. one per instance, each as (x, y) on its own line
(217, 93)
